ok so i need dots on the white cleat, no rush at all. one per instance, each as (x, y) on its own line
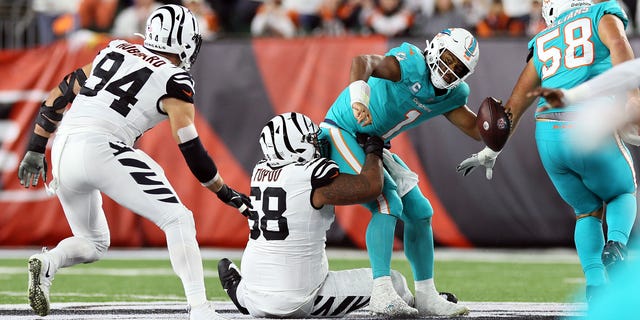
(204, 311)
(385, 301)
(433, 304)
(40, 277)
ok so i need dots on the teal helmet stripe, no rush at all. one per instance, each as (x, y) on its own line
(471, 48)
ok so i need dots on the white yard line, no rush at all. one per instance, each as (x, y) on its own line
(173, 310)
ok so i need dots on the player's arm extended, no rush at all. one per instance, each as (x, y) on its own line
(33, 163)
(346, 189)
(465, 119)
(520, 100)
(181, 118)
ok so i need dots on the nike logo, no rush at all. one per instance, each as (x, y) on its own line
(47, 273)
(188, 93)
(410, 51)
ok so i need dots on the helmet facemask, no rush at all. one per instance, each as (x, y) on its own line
(447, 71)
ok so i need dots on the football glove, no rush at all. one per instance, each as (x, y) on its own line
(235, 199)
(486, 157)
(31, 167)
(370, 144)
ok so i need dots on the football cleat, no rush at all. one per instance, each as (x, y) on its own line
(385, 301)
(40, 278)
(230, 277)
(204, 311)
(613, 254)
(437, 304)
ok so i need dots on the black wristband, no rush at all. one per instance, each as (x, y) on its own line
(37, 143)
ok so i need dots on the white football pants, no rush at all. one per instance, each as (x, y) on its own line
(85, 164)
(342, 292)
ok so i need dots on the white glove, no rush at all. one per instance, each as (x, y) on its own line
(486, 158)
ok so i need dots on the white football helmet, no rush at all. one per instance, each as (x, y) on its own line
(551, 9)
(288, 138)
(174, 29)
(462, 44)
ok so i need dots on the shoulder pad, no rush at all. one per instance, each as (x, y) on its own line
(180, 86)
(324, 171)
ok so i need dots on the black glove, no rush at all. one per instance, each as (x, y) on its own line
(32, 166)
(235, 199)
(370, 144)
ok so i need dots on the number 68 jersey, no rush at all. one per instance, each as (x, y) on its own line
(121, 96)
(284, 263)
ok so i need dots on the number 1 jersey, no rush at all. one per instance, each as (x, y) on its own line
(122, 95)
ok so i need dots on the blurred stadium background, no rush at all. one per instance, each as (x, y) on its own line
(243, 79)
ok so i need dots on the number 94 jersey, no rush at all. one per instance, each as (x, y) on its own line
(284, 262)
(570, 52)
(121, 96)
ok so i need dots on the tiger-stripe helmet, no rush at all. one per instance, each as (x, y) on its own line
(290, 137)
(174, 29)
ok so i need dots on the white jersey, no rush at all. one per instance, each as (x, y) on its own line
(121, 96)
(284, 263)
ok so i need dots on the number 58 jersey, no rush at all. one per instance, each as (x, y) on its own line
(284, 263)
(570, 51)
(122, 95)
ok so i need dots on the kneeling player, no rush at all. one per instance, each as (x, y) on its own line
(293, 190)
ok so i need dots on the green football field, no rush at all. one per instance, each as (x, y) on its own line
(119, 280)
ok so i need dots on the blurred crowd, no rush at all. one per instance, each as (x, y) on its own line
(295, 18)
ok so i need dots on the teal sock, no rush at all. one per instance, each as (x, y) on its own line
(418, 247)
(621, 213)
(379, 237)
(589, 240)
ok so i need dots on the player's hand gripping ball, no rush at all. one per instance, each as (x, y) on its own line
(493, 123)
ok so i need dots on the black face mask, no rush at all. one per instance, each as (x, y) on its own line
(198, 40)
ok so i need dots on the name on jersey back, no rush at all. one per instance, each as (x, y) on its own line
(269, 175)
(154, 60)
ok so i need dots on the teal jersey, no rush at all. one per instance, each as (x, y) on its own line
(398, 106)
(570, 51)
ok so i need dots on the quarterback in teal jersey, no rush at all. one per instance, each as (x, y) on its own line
(581, 41)
(390, 94)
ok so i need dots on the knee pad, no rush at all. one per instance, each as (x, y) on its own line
(177, 218)
(417, 206)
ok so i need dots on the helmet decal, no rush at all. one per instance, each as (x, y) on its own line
(471, 46)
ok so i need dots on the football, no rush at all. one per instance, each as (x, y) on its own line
(493, 123)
